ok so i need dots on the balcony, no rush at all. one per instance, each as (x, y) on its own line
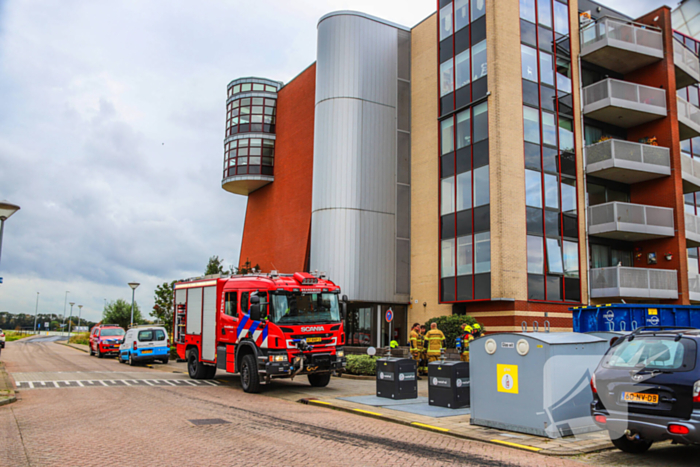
(624, 282)
(622, 103)
(688, 119)
(630, 222)
(626, 161)
(687, 65)
(621, 46)
(692, 230)
(245, 184)
(694, 287)
(690, 172)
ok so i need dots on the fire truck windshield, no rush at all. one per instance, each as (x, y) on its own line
(297, 308)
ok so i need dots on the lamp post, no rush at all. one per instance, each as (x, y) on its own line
(6, 210)
(36, 312)
(133, 286)
(70, 320)
(80, 312)
(65, 300)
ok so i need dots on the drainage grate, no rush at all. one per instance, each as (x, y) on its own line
(208, 421)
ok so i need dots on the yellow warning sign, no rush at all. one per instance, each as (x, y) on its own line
(653, 311)
(507, 378)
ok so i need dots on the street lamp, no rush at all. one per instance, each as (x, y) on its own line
(36, 312)
(133, 286)
(70, 320)
(80, 307)
(65, 300)
(6, 210)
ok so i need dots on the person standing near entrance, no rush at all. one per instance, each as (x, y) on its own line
(415, 349)
(422, 345)
(435, 343)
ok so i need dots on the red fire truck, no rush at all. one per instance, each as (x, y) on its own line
(261, 326)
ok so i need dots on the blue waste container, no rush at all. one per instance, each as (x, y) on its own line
(628, 317)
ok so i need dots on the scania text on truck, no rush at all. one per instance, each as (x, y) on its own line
(261, 326)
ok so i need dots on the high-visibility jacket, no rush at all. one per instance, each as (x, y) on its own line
(435, 340)
(466, 339)
(414, 341)
(421, 341)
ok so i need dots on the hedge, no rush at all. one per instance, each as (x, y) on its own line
(451, 326)
(361, 365)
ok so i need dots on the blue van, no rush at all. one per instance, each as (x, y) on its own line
(144, 344)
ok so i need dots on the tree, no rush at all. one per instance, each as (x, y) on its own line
(119, 312)
(246, 268)
(163, 308)
(214, 266)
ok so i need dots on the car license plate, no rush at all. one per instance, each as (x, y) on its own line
(313, 339)
(147, 351)
(640, 397)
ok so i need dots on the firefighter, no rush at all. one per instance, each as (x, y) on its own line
(415, 349)
(394, 344)
(465, 339)
(435, 342)
(478, 331)
(423, 350)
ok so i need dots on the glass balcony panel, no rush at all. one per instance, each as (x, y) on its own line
(690, 172)
(622, 103)
(687, 65)
(633, 283)
(688, 119)
(630, 222)
(692, 230)
(694, 287)
(627, 161)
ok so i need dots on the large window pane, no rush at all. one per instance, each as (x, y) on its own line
(549, 129)
(533, 189)
(447, 196)
(531, 124)
(448, 258)
(554, 261)
(482, 252)
(478, 9)
(479, 67)
(544, 12)
(566, 134)
(551, 191)
(462, 69)
(447, 128)
(446, 77)
(464, 255)
(527, 10)
(564, 75)
(570, 259)
(461, 14)
(528, 57)
(481, 122)
(568, 196)
(446, 22)
(561, 18)
(481, 186)
(464, 191)
(546, 68)
(535, 255)
(464, 137)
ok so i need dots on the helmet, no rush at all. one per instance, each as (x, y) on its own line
(477, 327)
(468, 328)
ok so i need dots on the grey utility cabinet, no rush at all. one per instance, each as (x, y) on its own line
(536, 383)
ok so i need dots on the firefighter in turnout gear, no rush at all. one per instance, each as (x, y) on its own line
(416, 341)
(435, 342)
(478, 332)
(463, 342)
(423, 363)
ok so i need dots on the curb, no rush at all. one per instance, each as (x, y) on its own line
(360, 377)
(446, 431)
(10, 397)
(8, 400)
(72, 346)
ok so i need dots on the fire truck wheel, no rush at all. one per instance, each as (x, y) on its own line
(195, 368)
(319, 380)
(250, 379)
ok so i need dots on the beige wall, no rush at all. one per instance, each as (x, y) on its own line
(424, 175)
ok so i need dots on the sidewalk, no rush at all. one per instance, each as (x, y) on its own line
(7, 392)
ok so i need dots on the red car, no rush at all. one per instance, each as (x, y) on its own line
(105, 340)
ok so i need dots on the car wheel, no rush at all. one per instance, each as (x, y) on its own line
(625, 444)
(195, 368)
(99, 353)
(92, 353)
(165, 360)
(250, 379)
(131, 360)
(319, 380)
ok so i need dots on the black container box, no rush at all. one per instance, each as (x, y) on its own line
(448, 384)
(396, 378)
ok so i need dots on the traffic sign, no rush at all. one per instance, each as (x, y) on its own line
(46, 325)
(0, 280)
(389, 315)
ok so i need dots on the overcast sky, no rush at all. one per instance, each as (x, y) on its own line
(111, 128)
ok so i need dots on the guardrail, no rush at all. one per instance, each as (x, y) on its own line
(623, 281)
(615, 149)
(629, 217)
(687, 61)
(635, 94)
(629, 33)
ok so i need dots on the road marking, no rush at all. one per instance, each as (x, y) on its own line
(368, 412)
(21, 385)
(320, 402)
(516, 445)
(430, 427)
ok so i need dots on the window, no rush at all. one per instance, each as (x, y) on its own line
(481, 122)
(570, 259)
(462, 69)
(554, 261)
(482, 252)
(527, 10)
(231, 303)
(546, 68)
(561, 18)
(478, 9)
(464, 129)
(479, 66)
(533, 189)
(160, 335)
(244, 302)
(531, 125)
(563, 75)
(551, 191)
(549, 129)
(461, 14)
(464, 191)
(145, 336)
(544, 12)
(535, 255)
(693, 260)
(448, 258)
(566, 134)
(568, 195)
(481, 186)
(446, 78)
(447, 127)
(528, 57)
(447, 196)
(464, 255)
(446, 22)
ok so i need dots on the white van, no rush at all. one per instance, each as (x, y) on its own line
(144, 344)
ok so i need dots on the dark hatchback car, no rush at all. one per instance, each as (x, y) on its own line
(647, 388)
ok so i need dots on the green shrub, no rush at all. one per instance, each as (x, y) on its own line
(173, 351)
(82, 338)
(11, 336)
(451, 326)
(361, 365)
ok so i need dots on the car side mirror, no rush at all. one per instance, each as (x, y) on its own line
(254, 299)
(255, 311)
(344, 307)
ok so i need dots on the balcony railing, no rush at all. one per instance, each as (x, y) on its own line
(622, 103)
(633, 283)
(621, 46)
(626, 161)
(690, 172)
(694, 287)
(631, 222)
(688, 119)
(687, 65)
(692, 230)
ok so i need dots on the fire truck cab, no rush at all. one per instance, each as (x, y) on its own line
(261, 326)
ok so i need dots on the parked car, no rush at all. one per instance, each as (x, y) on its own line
(2, 339)
(105, 340)
(145, 344)
(647, 388)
